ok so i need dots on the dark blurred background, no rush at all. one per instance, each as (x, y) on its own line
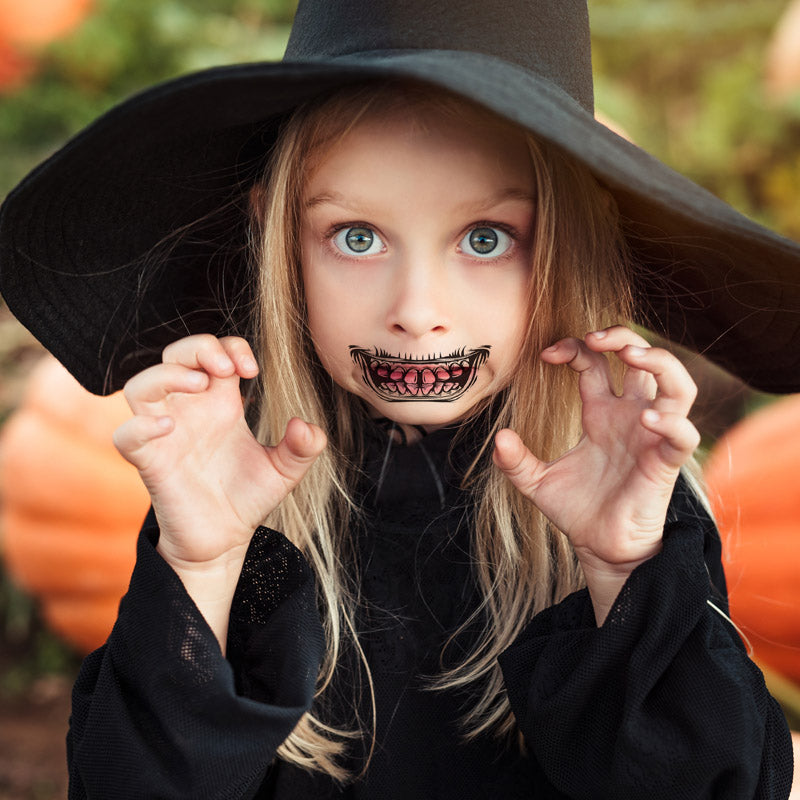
(711, 87)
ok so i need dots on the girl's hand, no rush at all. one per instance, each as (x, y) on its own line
(210, 481)
(610, 493)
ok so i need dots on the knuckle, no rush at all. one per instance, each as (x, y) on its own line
(628, 333)
(117, 437)
(192, 345)
(234, 342)
(133, 387)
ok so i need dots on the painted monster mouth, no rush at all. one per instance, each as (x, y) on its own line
(430, 379)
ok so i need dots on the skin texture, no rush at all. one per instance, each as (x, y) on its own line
(611, 491)
(420, 288)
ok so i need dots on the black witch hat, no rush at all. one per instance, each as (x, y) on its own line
(89, 259)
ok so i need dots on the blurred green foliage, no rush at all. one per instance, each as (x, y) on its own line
(120, 48)
(684, 78)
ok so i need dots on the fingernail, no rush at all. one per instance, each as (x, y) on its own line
(249, 363)
(164, 423)
(599, 334)
(197, 378)
(551, 348)
(636, 352)
(223, 362)
(651, 416)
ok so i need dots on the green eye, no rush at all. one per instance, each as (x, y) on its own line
(485, 242)
(358, 241)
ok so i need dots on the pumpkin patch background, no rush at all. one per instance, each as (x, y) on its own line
(712, 87)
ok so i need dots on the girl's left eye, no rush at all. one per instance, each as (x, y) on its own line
(358, 241)
(485, 242)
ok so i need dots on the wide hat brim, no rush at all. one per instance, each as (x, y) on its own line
(80, 232)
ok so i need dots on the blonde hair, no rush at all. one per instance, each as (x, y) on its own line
(521, 564)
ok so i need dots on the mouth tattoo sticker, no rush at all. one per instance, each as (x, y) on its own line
(430, 379)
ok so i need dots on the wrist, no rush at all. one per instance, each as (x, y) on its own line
(605, 580)
(211, 586)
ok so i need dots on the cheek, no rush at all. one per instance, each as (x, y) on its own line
(334, 320)
(501, 309)
(332, 310)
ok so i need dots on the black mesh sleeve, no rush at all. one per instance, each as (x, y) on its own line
(157, 712)
(662, 701)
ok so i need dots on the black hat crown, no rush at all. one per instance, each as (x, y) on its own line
(549, 39)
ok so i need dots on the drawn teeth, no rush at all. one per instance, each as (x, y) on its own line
(405, 374)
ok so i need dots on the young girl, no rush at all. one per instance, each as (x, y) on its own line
(485, 574)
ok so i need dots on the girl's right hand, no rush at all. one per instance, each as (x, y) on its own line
(210, 481)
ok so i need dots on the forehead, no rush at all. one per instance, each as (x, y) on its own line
(427, 145)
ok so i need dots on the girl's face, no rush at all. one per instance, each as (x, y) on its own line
(416, 253)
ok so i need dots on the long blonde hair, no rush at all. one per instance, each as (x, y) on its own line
(520, 563)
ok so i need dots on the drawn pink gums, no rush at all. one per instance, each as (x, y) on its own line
(396, 378)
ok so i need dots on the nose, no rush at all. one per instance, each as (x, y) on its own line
(419, 305)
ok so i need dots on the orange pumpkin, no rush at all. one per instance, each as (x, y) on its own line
(15, 67)
(37, 22)
(753, 477)
(71, 505)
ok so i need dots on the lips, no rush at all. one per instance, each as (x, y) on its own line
(397, 378)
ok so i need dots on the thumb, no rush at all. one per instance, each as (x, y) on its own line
(518, 463)
(297, 451)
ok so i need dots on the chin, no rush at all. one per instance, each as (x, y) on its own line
(422, 413)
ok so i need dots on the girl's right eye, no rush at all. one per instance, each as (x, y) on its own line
(358, 241)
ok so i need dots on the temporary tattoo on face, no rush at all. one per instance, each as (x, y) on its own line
(431, 379)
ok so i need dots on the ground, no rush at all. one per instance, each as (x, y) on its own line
(33, 726)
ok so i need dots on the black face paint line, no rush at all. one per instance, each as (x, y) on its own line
(399, 379)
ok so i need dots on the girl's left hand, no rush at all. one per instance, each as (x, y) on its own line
(610, 493)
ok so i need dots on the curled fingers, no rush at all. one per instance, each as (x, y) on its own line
(675, 389)
(592, 367)
(131, 437)
(155, 384)
(653, 373)
(679, 437)
(220, 358)
(636, 382)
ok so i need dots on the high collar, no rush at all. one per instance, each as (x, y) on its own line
(425, 474)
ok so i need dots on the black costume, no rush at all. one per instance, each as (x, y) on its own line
(660, 702)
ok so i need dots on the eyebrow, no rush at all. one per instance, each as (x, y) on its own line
(325, 197)
(511, 193)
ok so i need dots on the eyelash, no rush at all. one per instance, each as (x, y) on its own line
(509, 230)
(330, 234)
(512, 232)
